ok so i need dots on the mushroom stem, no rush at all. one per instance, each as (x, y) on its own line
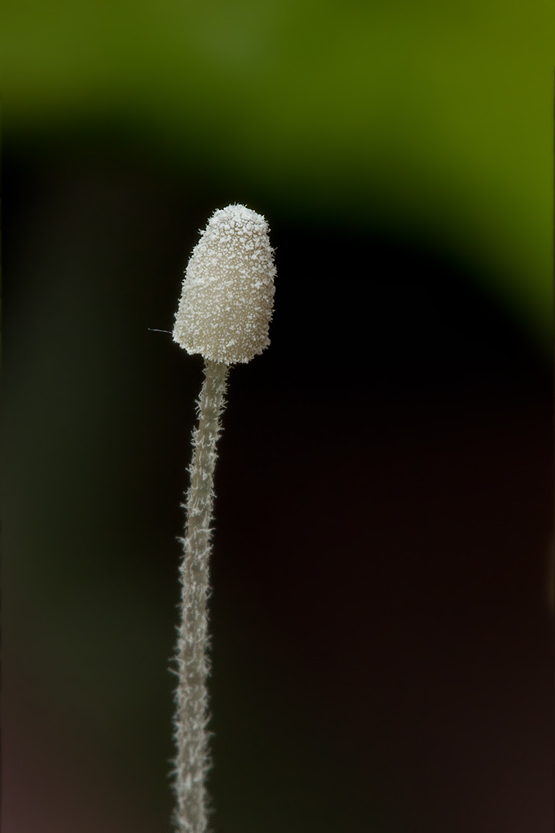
(191, 718)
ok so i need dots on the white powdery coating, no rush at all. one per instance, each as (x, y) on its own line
(228, 290)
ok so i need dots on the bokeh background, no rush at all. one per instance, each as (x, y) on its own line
(381, 622)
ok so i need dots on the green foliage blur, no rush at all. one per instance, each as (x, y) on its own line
(431, 118)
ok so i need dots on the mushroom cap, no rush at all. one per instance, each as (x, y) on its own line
(228, 290)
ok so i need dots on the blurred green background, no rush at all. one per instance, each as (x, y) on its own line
(381, 633)
(433, 117)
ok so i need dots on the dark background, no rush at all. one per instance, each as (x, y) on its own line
(382, 605)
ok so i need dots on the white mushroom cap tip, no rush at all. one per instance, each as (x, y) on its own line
(228, 291)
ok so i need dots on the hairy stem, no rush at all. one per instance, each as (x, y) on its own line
(192, 758)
